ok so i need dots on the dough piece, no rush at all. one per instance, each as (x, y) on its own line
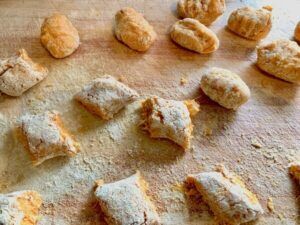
(205, 11)
(20, 208)
(44, 137)
(281, 59)
(227, 196)
(191, 34)
(250, 23)
(297, 32)
(19, 73)
(168, 119)
(59, 36)
(225, 88)
(125, 202)
(132, 29)
(106, 96)
(294, 169)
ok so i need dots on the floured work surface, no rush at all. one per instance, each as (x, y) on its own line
(257, 141)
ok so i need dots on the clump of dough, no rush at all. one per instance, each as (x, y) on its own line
(250, 23)
(132, 29)
(280, 58)
(205, 11)
(20, 73)
(105, 96)
(225, 87)
(126, 202)
(297, 32)
(227, 196)
(44, 137)
(59, 36)
(20, 208)
(191, 34)
(169, 119)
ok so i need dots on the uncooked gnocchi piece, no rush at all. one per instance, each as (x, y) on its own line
(20, 208)
(169, 119)
(125, 202)
(228, 198)
(20, 73)
(280, 58)
(205, 11)
(250, 23)
(59, 36)
(191, 34)
(132, 29)
(294, 169)
(105, 96)
(297, 32)
(225, 88)
(44, 137)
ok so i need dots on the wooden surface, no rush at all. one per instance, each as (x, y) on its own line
(115, 149)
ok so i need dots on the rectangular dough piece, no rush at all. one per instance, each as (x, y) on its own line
(105, 96)
(44, 137)
(125, 202)
(227, 196)
(19, 73)
(20, 208)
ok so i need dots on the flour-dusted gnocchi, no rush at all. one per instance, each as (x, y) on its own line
(205, 11)
(169, 119)
(133, 29)
(280, 58)
(193, 35)
(44, 137)
(20, 73)
(225, 87)
(125, 202)
(20, 208)
(59, 36)
(250, 23)
(227, 196)
(105, 96)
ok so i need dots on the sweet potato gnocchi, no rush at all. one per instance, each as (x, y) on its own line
(105, 96)
(20, 73)
(59, 36)
(250, 23)
(133, 30)
(169, 119)
(191, 34)
(205, 11)
(225, 88)
(20, 208)
(294, 169)
(126, 202)
(44, 137)
(228, 198)
(297, 32)
(280, 58)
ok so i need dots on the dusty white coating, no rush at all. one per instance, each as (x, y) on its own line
(124, 202)
(105, 96)
(45, 138)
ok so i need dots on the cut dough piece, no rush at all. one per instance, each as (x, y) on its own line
(169, 119)
(205, 11)
(44, 137)
(280, 58)
(125, 202)
(250, 23)
(20, 208)
(59, 36)
(106, 96)
(225, 87)
(294, 169)
(297, 32)
(227, 196)
(19, 73)
(133, 29)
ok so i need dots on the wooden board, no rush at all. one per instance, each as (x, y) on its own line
(115, 149)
